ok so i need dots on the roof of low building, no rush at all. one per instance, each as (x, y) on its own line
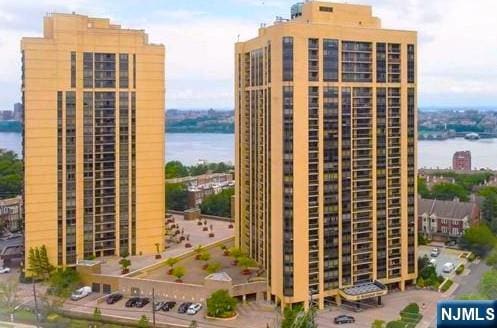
(450, 209)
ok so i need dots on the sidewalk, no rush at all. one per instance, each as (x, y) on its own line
(5, 324)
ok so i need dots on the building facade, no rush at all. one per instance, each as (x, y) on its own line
(326, 117)
(443, 220)
(93, 97)
(18, 112)
(461, 161)
(11, 214)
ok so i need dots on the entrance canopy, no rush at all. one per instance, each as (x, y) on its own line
(363, 291)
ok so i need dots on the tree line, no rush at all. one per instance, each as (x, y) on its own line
(176, 169)
(11, 174)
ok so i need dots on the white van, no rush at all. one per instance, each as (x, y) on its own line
(81, 293)
(448, 267)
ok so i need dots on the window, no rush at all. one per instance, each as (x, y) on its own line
(330, 60)
(73, 69)
(326, 9)
(287, 59)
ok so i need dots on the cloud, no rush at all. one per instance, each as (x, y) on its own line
(457, 42)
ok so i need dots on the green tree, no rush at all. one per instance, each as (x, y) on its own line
(125, 263)
(449, 191)
(236, 252)
(487, 190)
(297, 317)
(213, 267)
(218, 204)
(143, 322)
(423, 188)
(246, 262)
(479, 239)
(221, 305)
(492, 258)
(34, 262)
(63, 281)
(176, 196)
(205, 256)
(199, 169)
(38, 263)
(423, 262)
(179, 272)
(489, 211)
(488, 284)
(8, 296)
(45, 266)
(175, 169)
(171, 262)
(11, 174)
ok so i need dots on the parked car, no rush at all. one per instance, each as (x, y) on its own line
(194, 308)
(4, 270)
(341, 319)
(168, 306)
(142, 301)
(448, 267)
(131, 302)
(184, 307)
(113, 298)
(158, 305)
(433, 261)
(435, 252)
(451, 243)
(81, 293)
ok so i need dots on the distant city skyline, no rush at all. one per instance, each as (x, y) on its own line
(456, 50)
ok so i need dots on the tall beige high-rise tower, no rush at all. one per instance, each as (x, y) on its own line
(326, 154)
(93, 96)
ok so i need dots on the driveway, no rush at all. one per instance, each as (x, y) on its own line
(393, 304)
(472, 280)
(447, 255)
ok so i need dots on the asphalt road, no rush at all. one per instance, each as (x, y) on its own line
(471, 281)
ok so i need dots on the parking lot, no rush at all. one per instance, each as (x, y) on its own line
(446, 255)
(251, 315)
(89, 303)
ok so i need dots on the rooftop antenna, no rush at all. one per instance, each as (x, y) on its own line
(238, 38)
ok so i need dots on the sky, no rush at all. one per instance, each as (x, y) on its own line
(457, 43)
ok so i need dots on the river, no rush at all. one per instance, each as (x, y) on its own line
(191, 147)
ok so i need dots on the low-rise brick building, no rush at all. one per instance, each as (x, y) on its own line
(443, 220)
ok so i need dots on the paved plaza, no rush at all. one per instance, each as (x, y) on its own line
(221, 231)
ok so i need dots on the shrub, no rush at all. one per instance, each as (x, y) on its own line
(396, 324)
(471, 257)
(422, 240)
(205, 256)
(213, 267)
(143, 322)
(378, 324)
(460, 269)
(221, 305)
(63, 281)
(236, 252)
(179, 272)
(446, 285)
(411, 308)
(171, 262)
(420, 282)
